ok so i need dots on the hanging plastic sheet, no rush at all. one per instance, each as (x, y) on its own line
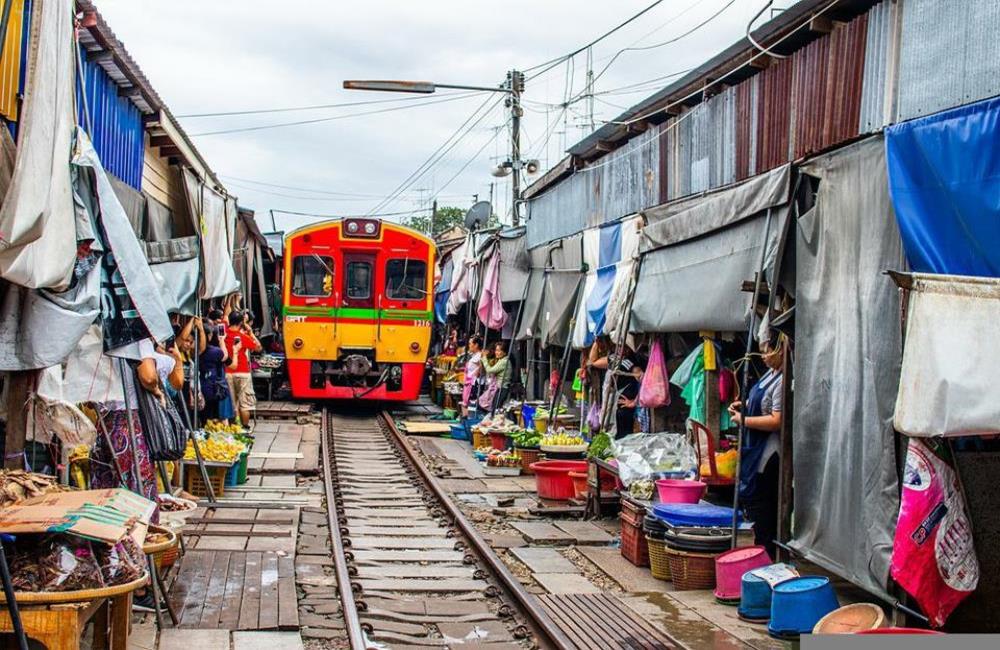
(514, 264)
(38, 242)
(133, 202)
(178, 283)
(605, 250)
(847, 361)
(695, 285)
(563, 278)
(528, 327)
(943, 171)
(212, 217)
(159, 224)
(948, 367)
(441, 306)
(463, 258)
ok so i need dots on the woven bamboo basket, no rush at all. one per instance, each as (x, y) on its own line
(479, 439)
(659, 564)
(53, 597)
(528, 456)
(690, 571)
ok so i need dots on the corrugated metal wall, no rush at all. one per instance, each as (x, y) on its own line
(826, 87)
(117, 124)
(881, 44)
(948, 55)
(10, 66)
(774, 115)
(746, 128)
(700, 147)
(619, 184)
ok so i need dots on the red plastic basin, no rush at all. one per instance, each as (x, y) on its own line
(552, 480)
(579, 483)
(673, 490)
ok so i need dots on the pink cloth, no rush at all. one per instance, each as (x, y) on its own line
(490, 309)
(473, 367)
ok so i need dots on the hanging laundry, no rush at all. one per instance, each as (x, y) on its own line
(490, 309)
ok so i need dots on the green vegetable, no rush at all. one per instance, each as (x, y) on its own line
(600, 447)
(526, 438)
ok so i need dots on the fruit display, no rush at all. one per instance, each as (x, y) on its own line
(216, 449)
(218, 426)
(18, 484)
(563, 439)
(503, 459)
(498, 424)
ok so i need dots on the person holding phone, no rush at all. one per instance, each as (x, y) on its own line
(240, 341)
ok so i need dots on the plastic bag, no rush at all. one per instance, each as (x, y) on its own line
(118, 564)
(594, 417)
(643, 456)
(165, 433)
(654, 391)
(933, 558)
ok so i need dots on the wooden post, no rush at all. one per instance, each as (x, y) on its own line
(21, 383)
(785, 467)
(713, 408)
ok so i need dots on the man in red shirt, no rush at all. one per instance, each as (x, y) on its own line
(240, 341)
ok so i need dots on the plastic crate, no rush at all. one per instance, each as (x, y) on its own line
(632, 513)
(233, 475)
(634, 546)
(241, 475)
(196, 487)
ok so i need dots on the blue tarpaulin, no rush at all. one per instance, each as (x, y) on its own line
(944, 171)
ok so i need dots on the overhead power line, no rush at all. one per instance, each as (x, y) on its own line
(316, 107)
(332, 118)
(296, 188)
(551, 63)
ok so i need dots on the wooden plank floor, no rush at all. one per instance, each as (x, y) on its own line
(235, 590)
(267, 409)
(276, 443)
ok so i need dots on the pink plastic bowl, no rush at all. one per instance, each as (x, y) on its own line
(730, 567)
(672, 490)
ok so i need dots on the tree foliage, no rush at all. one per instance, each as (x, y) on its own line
(447, 217)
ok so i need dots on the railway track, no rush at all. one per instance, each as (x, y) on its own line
(411, 570)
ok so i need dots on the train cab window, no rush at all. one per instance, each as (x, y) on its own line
(406, 279)
(312, 276)
(359, 280)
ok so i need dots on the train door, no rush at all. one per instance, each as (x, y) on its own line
(359, 280)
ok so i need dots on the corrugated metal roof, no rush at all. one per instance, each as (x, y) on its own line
(941, 66)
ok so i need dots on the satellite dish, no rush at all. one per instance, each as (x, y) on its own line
(478, 215)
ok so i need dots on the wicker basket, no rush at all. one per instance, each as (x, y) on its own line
(691, 571)
(659, 564)
(166, 559)
(528, 456)
(479, 439)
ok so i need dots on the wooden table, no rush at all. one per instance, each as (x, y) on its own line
(60, 626)
(598, 501)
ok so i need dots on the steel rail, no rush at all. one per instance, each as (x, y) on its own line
(348, 607)
(547, 633)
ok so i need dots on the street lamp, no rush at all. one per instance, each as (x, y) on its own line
(513, 87)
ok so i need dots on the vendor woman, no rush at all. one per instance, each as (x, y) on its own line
(759, 459)
(473, 369)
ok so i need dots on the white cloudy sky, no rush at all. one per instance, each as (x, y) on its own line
(233, 55)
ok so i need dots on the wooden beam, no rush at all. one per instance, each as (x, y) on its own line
(160, 141)
(821, 25)
(132, 92)
(170, 150)
(604, 146)
(786, 474)
(101, 56)
(638, 127)
(17, 417)
(762, 62)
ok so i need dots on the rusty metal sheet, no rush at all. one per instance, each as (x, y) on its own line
(880, 48)
(774, 115)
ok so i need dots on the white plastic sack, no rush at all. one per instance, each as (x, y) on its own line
(642, 456)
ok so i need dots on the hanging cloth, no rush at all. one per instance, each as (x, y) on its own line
(490, 310)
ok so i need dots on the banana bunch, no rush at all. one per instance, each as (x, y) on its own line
(216, 450)
(562, 440)
(218, 426)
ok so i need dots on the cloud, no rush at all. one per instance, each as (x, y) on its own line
(225, 55)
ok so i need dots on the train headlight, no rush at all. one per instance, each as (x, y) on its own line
(370, 228)
(414, 347)
(297, 344)
(352, 227)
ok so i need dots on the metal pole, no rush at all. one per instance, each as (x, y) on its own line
(557, 393)
(516, 80)
(197, 453)
(746, 375)
(8, 585)
(131, 426)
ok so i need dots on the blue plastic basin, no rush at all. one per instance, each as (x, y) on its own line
(694, 514)
(755, 598)
(799, 603)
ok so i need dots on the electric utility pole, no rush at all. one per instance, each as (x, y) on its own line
(515, 81)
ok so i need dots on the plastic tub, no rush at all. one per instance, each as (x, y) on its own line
(730, 567)
(459, 431)
(695, 514)
(671, 490)
(797, 605)
(755, 599)
(552, 480)
(579, 483)
(499, 441)
(851, 619)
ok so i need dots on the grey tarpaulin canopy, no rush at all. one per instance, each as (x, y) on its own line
(697, 253)
(847, 363)
(514, 264)
(552, 293)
